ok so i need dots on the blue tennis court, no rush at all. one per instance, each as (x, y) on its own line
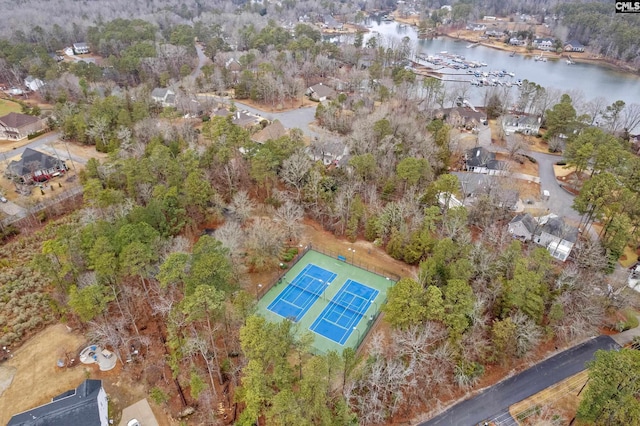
(339, 318)
(298, 296)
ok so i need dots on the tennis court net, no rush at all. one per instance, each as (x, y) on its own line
(307, 289)
(358, 311)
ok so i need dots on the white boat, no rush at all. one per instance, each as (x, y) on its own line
(511, 74)
(570, 62)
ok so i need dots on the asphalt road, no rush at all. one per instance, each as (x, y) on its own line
(560, 201)
(495, 400)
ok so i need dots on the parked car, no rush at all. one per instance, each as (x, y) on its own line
(2, 199)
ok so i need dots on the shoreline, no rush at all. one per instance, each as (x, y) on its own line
(626, 69)
(575, 56)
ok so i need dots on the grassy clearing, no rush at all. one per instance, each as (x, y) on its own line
(7, 106)
(560, 399)
(628, 258)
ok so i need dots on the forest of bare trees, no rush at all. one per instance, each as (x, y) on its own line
(132, 269)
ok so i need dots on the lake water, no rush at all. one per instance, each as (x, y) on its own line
(592, 80)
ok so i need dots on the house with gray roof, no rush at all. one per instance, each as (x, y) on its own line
(574, 46)
(34, 84)
(85, 405)
(521, 123)
(35, 166)
(481, 160)
(321, 92)
(81, 48)
(550, 231)
(164, 96)
(273, 131)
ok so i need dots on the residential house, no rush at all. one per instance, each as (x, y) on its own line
(497, 188)
(521, 123)
(481, 160)
(69, 51)
(321, 92)
(273, 131)
(35, 166)
(544, 43)
(81, 48)
(85, 405)
(239, 118)
(495, 33)
(56, 57)
(476, 27)
(461, 117)
(574, 46)
(331, 23)
(33, 84)
(549, 231)
(165, 97)
(16, 126)
(515, 41)
(234, 67)
(523, 226)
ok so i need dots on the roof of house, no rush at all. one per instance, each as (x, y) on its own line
(574, 44)
(322, 90)
(81, 45)
(521, 120)
(77, 407)
(464, 112)
(17, 120)
(479, 157)
(31, 157)
(527, 220)
(543, 39)
(160, 92)
(233, 65)
(274, 130)
(556, 226)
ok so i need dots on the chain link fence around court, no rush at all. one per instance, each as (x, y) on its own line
(350, 256)
(369, 319)
(347, 257)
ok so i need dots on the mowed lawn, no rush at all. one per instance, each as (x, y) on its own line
(8, 106)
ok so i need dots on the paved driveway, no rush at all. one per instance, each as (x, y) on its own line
(495, 401)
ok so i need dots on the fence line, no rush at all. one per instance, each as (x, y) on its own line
(371, 321)
(359, 263)
(261, 291)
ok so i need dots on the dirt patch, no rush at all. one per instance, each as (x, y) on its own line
(366, 254)
(35, 363)
(562, 171)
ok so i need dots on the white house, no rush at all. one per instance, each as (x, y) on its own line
(165, 97)
(480, 160)
(69, 51)
(33, 84)
(543, 43)
(549, 231)
(81, 48)
(521, 123)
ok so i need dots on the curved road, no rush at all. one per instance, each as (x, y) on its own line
(494, 402)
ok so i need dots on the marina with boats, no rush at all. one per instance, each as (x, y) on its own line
(436, 65)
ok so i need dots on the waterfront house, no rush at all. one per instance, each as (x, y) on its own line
(521, 123)
(545, 43)
(574, 46)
